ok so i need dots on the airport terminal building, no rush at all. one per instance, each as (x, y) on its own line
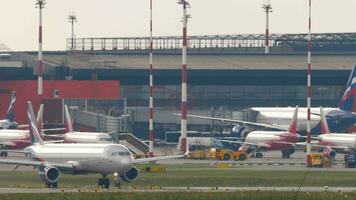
(226, 73)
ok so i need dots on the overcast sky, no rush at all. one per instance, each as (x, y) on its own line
(124, 18)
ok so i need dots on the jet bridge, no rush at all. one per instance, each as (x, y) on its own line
(100, 122)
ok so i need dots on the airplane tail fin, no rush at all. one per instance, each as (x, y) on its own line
(39, 118)
(10, 114)
(347, 100)
(34, 132)
(323, 123)
(69, 124)
(293, 125)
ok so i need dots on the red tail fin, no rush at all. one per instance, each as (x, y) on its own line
(293, 125)
(323, 123)
(69, 124)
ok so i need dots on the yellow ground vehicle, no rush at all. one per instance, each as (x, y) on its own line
(319, 160)
(226, 154)
(199, 155)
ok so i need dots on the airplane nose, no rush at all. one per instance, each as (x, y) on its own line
(126, 163)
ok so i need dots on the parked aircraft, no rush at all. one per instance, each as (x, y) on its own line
(341, 142)
(259, 141)
(274, 118)
(83, 137)
(54, 159)
(15, 138)
(9, 122)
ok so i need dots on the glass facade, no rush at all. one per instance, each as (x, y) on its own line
(231, 96)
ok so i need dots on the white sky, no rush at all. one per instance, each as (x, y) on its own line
(124, 18)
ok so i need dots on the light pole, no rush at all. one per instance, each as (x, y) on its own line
(267, 8)
(72, 19)
(40, 5)
(184, 146)
(151, 132)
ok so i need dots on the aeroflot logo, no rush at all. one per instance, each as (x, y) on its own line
(114, 154)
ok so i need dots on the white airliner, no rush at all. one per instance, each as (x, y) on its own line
(54, 159)
(341, 142)
(82, 137)
(9, 122)
(277, 118)
(15, 138)
(272, 140)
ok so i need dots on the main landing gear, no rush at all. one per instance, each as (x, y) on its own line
(3, 154)
(52, 185)
(104, 182)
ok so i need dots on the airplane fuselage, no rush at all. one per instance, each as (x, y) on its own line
(272, 140)
(14, 139)
(85, 158)
(87, 137)
(338, 120)
(348, 141)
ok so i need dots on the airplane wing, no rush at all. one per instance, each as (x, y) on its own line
(153, 159)
(275, 127)
(313, 144)
(23, 126)
(245, 143)
(62, 167)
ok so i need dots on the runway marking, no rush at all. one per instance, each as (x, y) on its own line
(181, 189)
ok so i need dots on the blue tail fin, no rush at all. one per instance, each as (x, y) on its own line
(10, 114)
(348, 98)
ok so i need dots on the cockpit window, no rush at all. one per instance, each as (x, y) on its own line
(106, 139)
(120, 154)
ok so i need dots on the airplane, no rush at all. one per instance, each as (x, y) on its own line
(277, 118)
(11, 139)
(259, 141)
(52, 159)
(72, 136)
(338, 142)
(9, 122)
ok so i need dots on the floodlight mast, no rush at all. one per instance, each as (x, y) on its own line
(40, 5)
(309, 91)
(267, 8)
(72, 19)
(151, 130)
(184, 145)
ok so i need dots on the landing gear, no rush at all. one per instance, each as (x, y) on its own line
(117, 182)
(3, 154)
(287, 152)
(104, 183)
(52, 185)
(257, 154)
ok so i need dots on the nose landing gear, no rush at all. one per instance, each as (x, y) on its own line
(104, 182)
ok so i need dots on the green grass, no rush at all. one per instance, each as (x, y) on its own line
(184, 196)
(194, 176)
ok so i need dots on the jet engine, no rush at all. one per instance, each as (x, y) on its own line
(239, 131)
(130, 175)
(49, 174)
(328, 152)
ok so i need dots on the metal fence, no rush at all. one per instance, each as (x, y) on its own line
(243, 41)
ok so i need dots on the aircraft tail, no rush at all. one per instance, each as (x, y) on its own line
(69, 124)
(10, 114)
(39, 118)
(323, 123)
(293, 125)
(347, 100)
(36, 137)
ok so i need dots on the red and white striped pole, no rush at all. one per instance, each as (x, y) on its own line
(183, 142)
(309, 92)
(151, 133)
(267, 8)
(40, 4)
